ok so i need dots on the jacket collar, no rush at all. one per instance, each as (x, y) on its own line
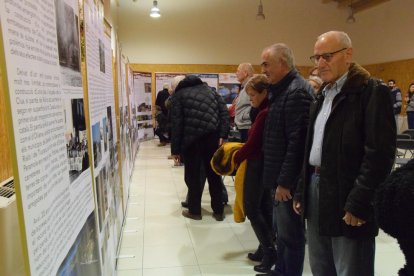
(282, 84)
(188, 81)
(357, 77)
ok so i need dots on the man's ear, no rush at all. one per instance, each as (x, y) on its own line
(349, 53)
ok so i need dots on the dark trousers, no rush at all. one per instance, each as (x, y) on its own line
(257, 203)
(203, 178)
(290, 239)
(196, 155)
(335, 255)
(410, 119)
(243, 135)
(160, 133)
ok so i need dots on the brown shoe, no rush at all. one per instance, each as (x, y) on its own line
(187, 214)
(218, 217)
(162, 144)
(170, 157)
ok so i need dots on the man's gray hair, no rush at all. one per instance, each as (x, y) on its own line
(248, 68)
(343, 38)
(282, 52)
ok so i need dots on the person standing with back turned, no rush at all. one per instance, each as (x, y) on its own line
(350, 150)
(200, 122)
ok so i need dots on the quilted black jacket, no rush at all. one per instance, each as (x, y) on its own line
(285, 131)
(196, 110)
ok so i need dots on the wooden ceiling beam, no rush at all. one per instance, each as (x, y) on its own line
(357, 5)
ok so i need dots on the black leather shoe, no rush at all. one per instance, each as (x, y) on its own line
(257, 256)
(269, 259)
(187, 214)
(184, 204)
(218, 217)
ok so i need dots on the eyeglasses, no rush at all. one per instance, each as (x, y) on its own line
(327, 57)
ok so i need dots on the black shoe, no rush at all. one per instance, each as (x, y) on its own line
(184, 204)
(189, 215)
(269, 259)
(257, 256)
(218, 217)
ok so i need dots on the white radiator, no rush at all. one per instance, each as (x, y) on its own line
(11, 258)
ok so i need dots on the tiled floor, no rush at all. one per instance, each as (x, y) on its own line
(158, 240)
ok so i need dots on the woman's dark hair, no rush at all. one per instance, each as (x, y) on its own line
(258, 83)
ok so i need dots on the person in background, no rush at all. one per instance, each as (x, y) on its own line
(257, 201)
(242, 111)
(395, 211)
(283, 149)
(161, 116)
(410, 106)
(396, 101)
(350, 149)
(316, 83)
(200, 122)
(314, 72)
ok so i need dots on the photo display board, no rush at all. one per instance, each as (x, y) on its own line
(42, 59)
(102, 120)
(228, 87)
(142, 94)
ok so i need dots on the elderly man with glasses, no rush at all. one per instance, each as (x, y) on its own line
(350, 150)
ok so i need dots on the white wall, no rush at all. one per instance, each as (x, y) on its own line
(226, 32)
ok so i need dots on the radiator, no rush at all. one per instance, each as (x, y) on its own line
(11, 257)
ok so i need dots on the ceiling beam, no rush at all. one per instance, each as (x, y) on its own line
(357, 5)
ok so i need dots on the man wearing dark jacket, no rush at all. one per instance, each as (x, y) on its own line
(200, 122)
(283, 148)
(350, 150)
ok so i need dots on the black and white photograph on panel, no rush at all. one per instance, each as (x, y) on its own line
(147, 87)
(76, 137)
(97, 144)
(105, 133)
(101, 56)
(112, 147)
(67, 24)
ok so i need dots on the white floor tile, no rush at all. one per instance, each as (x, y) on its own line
(158, 240)
(169, 256)
(173, 271)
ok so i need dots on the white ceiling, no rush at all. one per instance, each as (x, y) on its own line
(226, 31)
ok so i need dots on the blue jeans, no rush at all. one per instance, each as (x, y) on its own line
(290, 239)
(331, 256)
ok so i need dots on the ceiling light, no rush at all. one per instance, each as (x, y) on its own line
(351, 18)
(260, 15)
(155, 11)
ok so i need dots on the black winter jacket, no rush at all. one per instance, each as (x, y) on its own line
(358, 152)
(285, 131)
(196, 110)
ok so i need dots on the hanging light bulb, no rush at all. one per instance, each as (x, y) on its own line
(155, 11)
(351, 18)
(260, 15)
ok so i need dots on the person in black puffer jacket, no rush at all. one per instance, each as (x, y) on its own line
(199, 123)
(395, 211)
